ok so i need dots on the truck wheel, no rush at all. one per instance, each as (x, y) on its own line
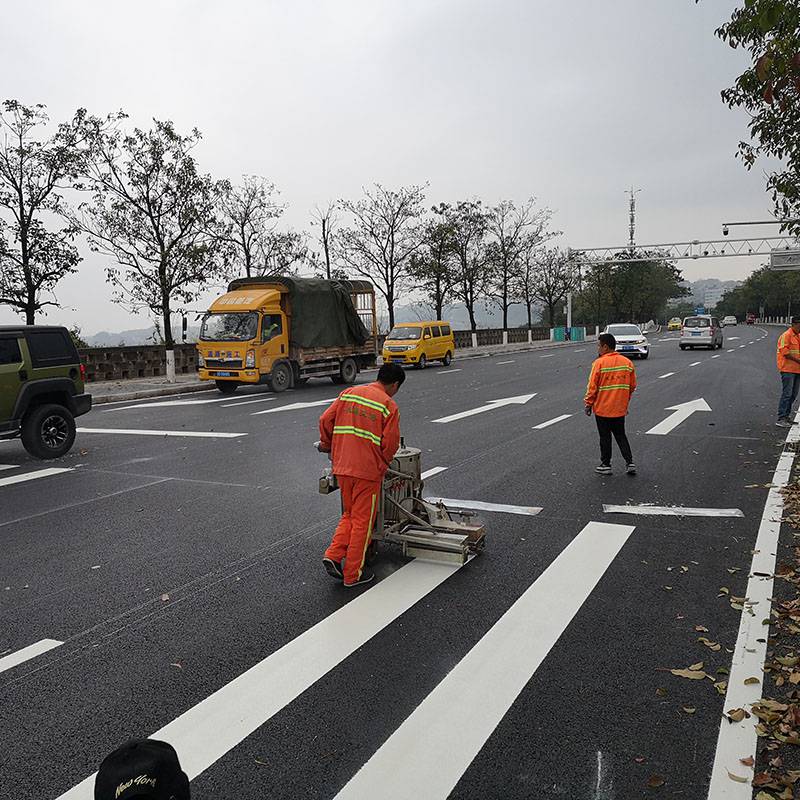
(447, 359)
(227, 387)
(348, 372)
(281, 377)
(48, 431)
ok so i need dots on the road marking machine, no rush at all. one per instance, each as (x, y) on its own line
(423, 530)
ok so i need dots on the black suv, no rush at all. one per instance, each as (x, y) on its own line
(41, 388)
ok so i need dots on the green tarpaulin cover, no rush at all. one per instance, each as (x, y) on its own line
(323, 314)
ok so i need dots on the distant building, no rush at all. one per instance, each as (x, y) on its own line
(713, 295)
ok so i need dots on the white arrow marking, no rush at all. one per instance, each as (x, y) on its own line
(295, 406)
(681, 413)
(31, 651)
(490, 406)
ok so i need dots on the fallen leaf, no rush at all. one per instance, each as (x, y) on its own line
(701, 629)
(654, 781)
(794, 678)
(736, 714)
(748, 762)
(723, 590)
(737, 778)
(715, 646)
(668, 588)
(165, 597)
(788, 661)
(640, 759)
(661, 692)
(698, 665)
(96, 566)
(751, 680)
(691, 674)
(177, 664)
(689, 709)
(721, 686)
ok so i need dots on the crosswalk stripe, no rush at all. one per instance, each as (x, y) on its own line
(478, 505)
(438, 742)
(32, 476)
(132, 432)
(429, 473)
(27, 653)
(207, 731)
(550, 422)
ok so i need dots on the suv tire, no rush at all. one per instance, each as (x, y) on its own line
(48, 431)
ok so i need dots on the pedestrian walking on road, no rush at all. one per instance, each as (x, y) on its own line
(361, 430)
(789, 368)
(612, 381)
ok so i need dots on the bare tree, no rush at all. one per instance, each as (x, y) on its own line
(248, 215)
(433, 267)
(469, 225)
(512, 229)
(553, 277)
(154, 214)
(34, 258)
(383, 237)
(524, 281)
(327, 220)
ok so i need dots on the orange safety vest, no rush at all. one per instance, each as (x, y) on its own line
(361, 428)
(789, 342)
(612, 381)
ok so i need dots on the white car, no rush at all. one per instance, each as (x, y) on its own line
(729, 321)
(630, 340)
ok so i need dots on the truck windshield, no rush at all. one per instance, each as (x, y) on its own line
(403, 334)
(229, 327)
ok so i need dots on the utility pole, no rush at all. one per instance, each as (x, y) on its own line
(632, 217)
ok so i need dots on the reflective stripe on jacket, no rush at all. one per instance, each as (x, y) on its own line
(612, 381)
(361, 428)
(789, 342)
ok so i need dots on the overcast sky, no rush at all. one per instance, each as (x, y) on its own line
(568, 100)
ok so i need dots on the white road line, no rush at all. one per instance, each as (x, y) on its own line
(500, 363)
(8, 466)
(733, 338)
(478, 505)
(696, 364)
(296, 406)
(447, 371)
(248, 402)
(742, 345)
(438, 742)
(582, 350)
(716, 356)
(549, 355)
(731, 350)
(195, 434)
(738, 739)
(550, 422)
(429, 473)
(207, 731)
(32, 476)
(673, 511)
(27, 653)
(165, 403)
(666, 375)
(519, 400)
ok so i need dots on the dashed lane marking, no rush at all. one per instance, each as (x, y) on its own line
(695, 364)
(440, 739)
(549, 355)
(8, 466)
(206, 732)
(27, 653)
(733, 338)
(731, 350)
(500, 363)
(429, 473)
(550, 422)
(32, 476)
(296, 406)
(191, 434)
(247, 402)
(672, 511)
(716, 356)
(478, 505)
(666, 375)
(169, 403)
(448, 371)
(742, 345)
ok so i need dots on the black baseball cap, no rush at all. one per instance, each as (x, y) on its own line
(142, 768)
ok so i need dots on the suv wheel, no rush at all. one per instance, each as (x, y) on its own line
(48, 431)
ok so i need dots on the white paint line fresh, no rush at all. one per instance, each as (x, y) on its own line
(733, 338)
(742, 345)
(681, 413)
(500, 363)
(695, 363)
(429, 473)
(582, 350)
(8, 466)
(738, 739)
(448, 371)
(731, 350)
(32, 476)
(27, 653)
(195, 434)
(666, 375)
(716, 356)
(520, 400)
(169, 403)
(207, 731)
(478, 505)
(550, 422)
(549, 355)
(438, 742)
(247, 402)
(296, 406)
(673, 511)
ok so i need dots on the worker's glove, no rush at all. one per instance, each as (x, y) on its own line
(588, 411)
(318, 446)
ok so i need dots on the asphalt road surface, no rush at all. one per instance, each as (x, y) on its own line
(171, 585)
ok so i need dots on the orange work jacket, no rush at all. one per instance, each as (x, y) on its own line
(789, 342)
(361, 428)
(612, 381)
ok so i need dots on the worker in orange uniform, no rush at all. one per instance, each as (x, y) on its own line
(789, 368)
(612, 381)
(361, 430)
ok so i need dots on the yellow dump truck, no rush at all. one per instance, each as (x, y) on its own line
(281, 331)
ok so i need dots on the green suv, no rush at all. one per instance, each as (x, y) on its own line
(41, 388)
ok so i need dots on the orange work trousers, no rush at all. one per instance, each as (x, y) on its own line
(353, 533)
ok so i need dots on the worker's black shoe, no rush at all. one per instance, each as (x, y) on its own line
(631, 468)
(332, 568)
(366, 577)
(603, 469)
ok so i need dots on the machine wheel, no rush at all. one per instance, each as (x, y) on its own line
(348, 371)
(281, 378)
(423, 362)
(48, 431)
(447, 359)
(227, 387)
(682, 346)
